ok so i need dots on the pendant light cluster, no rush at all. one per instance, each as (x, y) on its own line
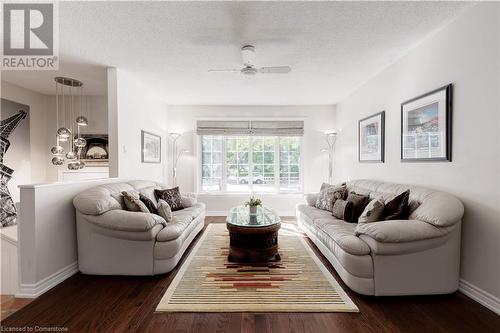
(69, 100)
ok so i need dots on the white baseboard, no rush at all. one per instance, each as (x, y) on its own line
(224, 213)
(479, 295)
(33, 290)
(216, 213)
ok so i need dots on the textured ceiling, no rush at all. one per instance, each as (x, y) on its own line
(332, 47)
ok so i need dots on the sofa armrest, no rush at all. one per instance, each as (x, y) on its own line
(399, 231)
(311, 198)
(123, 220)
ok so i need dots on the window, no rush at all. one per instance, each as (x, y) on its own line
(237, 166)
(289, 164)
(250, 163)
(263, 151)
(211, 163)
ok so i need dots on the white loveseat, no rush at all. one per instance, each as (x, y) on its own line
(114, 241)
(417, 256)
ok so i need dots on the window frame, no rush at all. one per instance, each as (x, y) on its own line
(277, 188)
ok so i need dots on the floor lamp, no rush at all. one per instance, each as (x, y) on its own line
(175, 156)
(331, 138)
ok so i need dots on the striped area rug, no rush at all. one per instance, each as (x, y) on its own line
(207, 282)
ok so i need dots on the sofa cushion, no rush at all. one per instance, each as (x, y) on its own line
(140, 184)
(174, 229)
(170, 248)
(150, 204)
(428, 205)
(133, 202)
(343, 210)
(149, 193)
(172, 196)
(397, 208)
(373, 211)
(97, 200)
(164, 210)
(343, 234)
(359, 202)
(181, 220)
(357, 265)
(328, 195)
(313, 213)
(192, 211)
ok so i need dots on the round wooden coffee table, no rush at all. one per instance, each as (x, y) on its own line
(253, 237)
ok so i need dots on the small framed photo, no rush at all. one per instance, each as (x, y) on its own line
(426, 127)
(371, 138)
(150, 147)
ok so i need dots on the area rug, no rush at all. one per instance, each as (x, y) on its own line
(207, 282)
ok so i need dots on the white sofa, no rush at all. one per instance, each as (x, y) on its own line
(417, 256)
(114, 241)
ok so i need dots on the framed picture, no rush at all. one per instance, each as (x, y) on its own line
(151, 147)
(426, 127)
(371, 138)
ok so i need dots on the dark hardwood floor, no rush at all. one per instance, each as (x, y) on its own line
(85, 303)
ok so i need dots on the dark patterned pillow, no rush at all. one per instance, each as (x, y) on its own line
(172, 196)
(343, 210)
(328, 195)
(149, 203)
(397, 208)
(359, 203)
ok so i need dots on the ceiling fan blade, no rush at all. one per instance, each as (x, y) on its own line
(224, 70)
(248, 55)
(275, 70)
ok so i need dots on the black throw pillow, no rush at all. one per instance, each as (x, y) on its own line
(172, 196)
(149, 203)
(359, 203)
(343, 210)
(397, 208)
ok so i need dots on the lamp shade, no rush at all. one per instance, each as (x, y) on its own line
(81, 121)
(58, 160)
(56, 150)
(70, 155)
(80, 142)
(63, 132)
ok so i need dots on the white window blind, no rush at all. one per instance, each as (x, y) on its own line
(250, 127)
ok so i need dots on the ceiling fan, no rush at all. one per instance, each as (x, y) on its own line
(248, 56)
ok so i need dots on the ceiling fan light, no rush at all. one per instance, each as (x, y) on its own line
(249, 70)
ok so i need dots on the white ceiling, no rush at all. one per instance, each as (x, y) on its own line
(332, 47)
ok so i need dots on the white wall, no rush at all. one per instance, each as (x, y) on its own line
(37, 172)
(47, 245)
(133, 108)
(465, 53)
(317, 120)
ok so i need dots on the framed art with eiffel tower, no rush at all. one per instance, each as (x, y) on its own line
(14, 152)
